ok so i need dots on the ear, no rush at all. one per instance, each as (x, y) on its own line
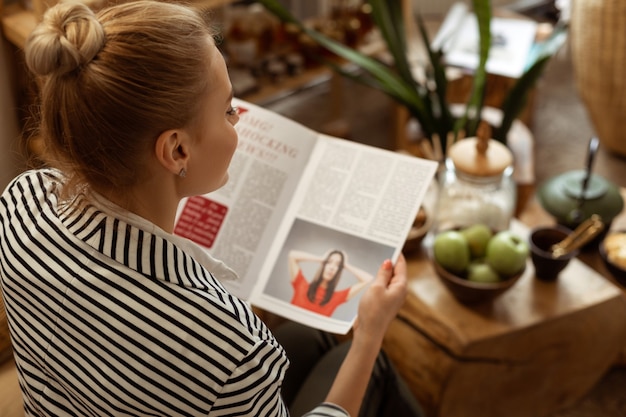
(172, 151)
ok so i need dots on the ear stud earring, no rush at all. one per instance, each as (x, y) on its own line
(182, 173)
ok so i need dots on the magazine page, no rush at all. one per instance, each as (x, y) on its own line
(353, 210)
(237, 223)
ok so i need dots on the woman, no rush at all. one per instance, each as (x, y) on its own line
(110, 313)
(320, 295)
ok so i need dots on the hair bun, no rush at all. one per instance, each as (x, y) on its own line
(69, 37)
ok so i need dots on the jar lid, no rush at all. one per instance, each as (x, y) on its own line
(480, 156)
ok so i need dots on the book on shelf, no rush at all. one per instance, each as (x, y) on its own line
(293, 197)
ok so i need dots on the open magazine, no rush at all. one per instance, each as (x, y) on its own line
(295, 196)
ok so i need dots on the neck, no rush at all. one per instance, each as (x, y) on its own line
(151, 201)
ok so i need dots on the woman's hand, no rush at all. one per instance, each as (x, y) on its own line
(378, 306)
(382, 300)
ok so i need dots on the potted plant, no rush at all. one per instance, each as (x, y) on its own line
(427, 101)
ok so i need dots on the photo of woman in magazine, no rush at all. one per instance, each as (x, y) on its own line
(310, 253)
(320, 294)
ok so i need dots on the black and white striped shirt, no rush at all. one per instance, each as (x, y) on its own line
(108, 318)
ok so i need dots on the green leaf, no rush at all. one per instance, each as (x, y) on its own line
(482, 11)
(445, 121)
(387, 16)
(550, 46)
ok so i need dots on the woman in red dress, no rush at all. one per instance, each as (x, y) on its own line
(320, 295)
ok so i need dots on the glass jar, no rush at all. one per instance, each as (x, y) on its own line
(476, 186)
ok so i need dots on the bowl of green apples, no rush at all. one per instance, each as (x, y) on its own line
(477, 264)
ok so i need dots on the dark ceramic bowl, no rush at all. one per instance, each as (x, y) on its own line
(469, 292)
(547, 267)
(614, 240)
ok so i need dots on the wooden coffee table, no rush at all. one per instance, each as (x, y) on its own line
(537, 348)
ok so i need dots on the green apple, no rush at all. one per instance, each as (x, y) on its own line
(480, 271)
(506, 252)
(451, 251)
(477, 236)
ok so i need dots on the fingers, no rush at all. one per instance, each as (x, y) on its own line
(385, 273)
(399, 269)
(389, 273)
(387, 265)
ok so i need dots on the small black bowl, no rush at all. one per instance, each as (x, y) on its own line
(547, 267)
(614, 241)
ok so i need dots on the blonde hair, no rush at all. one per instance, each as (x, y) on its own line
(112, 81)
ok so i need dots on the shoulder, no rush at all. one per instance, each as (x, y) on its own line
(299, 280)
(29, 198)
(38, 178)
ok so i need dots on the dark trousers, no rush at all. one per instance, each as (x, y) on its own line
(315, 359)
